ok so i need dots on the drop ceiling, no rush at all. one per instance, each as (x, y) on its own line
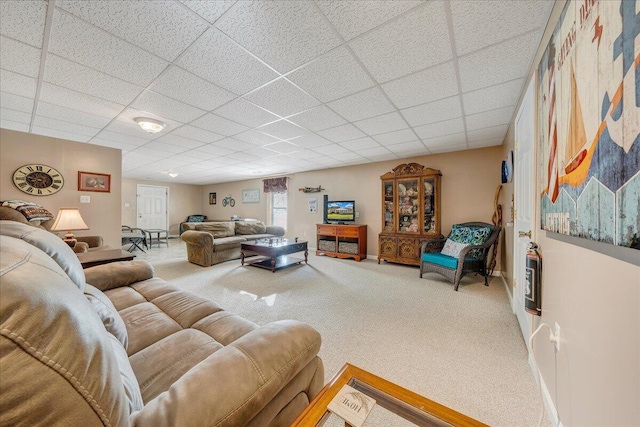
(262, 88)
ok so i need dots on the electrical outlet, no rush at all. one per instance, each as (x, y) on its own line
(357, 214)
(557, 337)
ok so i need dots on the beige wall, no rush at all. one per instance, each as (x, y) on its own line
(101, 215)
(469, 182)
(592, 290)
(183, 200)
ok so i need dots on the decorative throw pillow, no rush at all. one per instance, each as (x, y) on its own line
(452, 248)
(470, 235)
(250, 227)
(31, 211)
(218, 229)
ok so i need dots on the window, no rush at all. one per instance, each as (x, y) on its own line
(279, 209)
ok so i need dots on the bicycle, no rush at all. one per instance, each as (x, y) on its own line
(228, 201)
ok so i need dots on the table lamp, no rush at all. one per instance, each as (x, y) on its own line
(69, 219)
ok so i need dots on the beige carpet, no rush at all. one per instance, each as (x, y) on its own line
(462, 349)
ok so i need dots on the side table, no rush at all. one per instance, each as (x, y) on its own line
(91, 259)
(160, 235)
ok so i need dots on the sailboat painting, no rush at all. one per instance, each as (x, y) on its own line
(588, 123)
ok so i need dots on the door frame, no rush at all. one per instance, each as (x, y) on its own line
(166, 188)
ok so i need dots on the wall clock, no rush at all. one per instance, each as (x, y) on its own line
(38, 180)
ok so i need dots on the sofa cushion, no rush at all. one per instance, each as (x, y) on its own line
(452, 248)
(111, 320)
(217, 229)
(228, 243)
(250, 227)
(440, 259)
(128, 377)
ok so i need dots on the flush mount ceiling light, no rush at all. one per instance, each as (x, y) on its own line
(150, 125)
(172, 174)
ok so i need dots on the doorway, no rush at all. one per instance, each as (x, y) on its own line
(152, 207)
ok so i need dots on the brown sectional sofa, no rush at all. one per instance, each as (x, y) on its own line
(210, 243)
(113, 345)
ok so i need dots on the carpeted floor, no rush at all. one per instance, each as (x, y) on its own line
(462, 349)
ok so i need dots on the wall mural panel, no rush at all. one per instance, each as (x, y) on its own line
(589, 123)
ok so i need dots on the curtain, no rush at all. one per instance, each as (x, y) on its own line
(275, 185)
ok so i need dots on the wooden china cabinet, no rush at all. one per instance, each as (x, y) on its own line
(410, 213)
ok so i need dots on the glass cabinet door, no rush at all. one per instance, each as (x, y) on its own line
(388, 192)
(429, 220)
(408, 206)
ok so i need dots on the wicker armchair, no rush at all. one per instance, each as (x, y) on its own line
(471, 259)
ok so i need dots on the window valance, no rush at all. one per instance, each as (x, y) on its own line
(275, 185)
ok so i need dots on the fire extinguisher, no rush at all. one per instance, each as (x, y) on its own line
(533, 281)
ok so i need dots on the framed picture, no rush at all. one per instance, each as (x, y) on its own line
(312, 205)
(93, 181)
(251, 196)
(212, 198)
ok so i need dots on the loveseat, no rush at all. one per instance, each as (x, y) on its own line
(114, 346)
(210, 243)
(83, 244)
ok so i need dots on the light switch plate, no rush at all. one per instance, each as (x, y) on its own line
(85, 199)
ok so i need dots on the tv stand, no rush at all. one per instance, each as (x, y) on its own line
(342, 241)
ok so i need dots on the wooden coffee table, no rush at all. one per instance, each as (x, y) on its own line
(391, 397)
(90, 259)
(276, 252)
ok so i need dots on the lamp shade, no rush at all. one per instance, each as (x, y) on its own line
(69, 219)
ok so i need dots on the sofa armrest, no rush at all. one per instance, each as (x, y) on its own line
(118, 274)
(201, 238)
(81, 247)
(276, 230)
(235, 383)
(92, 241)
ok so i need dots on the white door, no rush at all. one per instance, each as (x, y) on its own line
(152, 207)
(523, 188)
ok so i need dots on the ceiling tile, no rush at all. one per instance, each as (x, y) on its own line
(244, 157)
(487, 119)
(197, 134)
(15, 116)
(493, 97)
(445, 140)
(332, 149)
(252, 136)
(342, 133)
(62, 72)
(423, 34)
(487, 133)
(164, 147)
(198, 154)
(233, 144)
(166, 107)
(352, 18)
(8, 124)
(426, 86)
(73, 116)
(446, 127)
(306, 155)
(284, 34)
(112, 144)
(81, 42)
(186, 143)
(382, 124)
(78, 101)
(23, 20)
(310, 141)
(243, 111)
(19, 57)
(122, 138)
(413, 146)
(16, 102)
(216, 58)
(318, 118)
(163, 28)
(17, 84)
(282, 98)
(282, 147)
(486, 143)
(219, 125)
(283, 129)
(179, 84)
(396, 137)
(477, 24)
(448, 148)
(332, 76)
(209, 10)
(499, 63)
(49, 123)
(437, 111)
(57, 133)
(362, 105)
(376, 153)
(348, 157)
(360, 144)
(215, 149)
(120, 127)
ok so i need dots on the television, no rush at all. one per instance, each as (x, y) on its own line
(339, 211)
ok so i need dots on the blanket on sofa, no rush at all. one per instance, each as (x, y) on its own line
(31, 211)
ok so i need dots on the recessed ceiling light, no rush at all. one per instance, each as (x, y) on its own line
(150, 125)
(172, 174)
